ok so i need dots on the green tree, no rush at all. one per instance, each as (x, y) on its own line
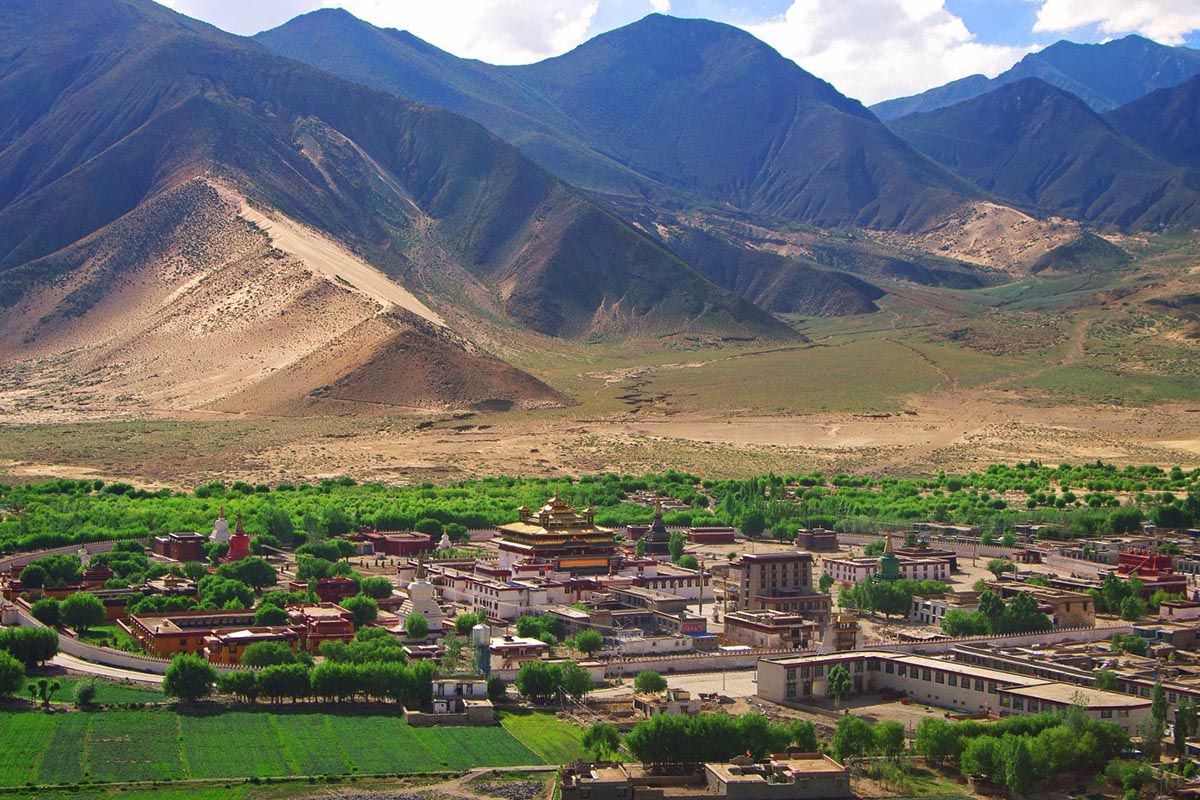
(364, 609)
(979, 757)
(30, 646)
(852, 737)
(377, 588)
(999, 566)
(804, 735)
(82, 611)
(589, 642)
(649, 682)
(838, 683)
(242, 684)
(539, 680)
(465, 623)
(639, 549)
(825, 583)
(12, 675)
(576, 681)
(889, 739)
(416, 627)
(270, 615)
(602, 740)
(688, 561)
(189, 678)
(47, 611)
(1106, 680)
(254, 572)
(43, 691)
(1018, 763)
(268, 654)
(219, 592)
(1158, 703)
(1132, 609)
(677, 543)
(85, 694)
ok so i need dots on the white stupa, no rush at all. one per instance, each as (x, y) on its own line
(422, 599)
(445, 543)
(220, 531)
(85, 557)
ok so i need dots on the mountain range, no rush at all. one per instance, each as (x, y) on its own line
(1104, 76)
(334, 217)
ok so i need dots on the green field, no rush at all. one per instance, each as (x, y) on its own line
(556, 741)
(117, 746)
(108, 692)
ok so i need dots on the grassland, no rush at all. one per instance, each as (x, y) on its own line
(108, 692)
(165, 745)
(555, 741)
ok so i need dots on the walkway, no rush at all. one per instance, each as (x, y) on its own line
(101, 671)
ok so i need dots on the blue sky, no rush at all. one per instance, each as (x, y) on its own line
(869, 49)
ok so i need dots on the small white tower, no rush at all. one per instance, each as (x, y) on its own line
(220, 531)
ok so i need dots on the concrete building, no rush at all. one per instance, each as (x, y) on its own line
(397, 543)
(955, 685)
(770, 629)
(672, 702)
(511, 652)
(852, 571)
(780, 582)
(932, 610)
(786, 776)
(817, 540)
(1066, 609)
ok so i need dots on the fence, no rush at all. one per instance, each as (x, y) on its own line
(93, 548)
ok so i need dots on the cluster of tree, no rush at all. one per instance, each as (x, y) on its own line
(31, 646)
(12, 674)
(369, 645)
(855, 737)
(1019, 614)
(255, 572)
(1124, 597)
(543, 681)
(589, 642)
(887, 597)
(129, 564)
(1128, 643)
(681, 740)
(1018, 751)
(80, 611)
(543, 627)
(52, 572)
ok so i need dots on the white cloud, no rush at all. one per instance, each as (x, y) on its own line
(1165, 21)
(661, 6)
(879, 49)
(497, 31)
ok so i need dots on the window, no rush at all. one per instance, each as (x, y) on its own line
(1018, 704)
(791, 690)
(926, 674)
(791, 674)
(1106, 713)
(991, 687)
(1005, 702)
(890, 668)
(903, 670)
(818, 671)
(978, 685)
(1124, 712)
(953, 681)
(939, 677)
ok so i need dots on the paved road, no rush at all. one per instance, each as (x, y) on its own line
(100, 670)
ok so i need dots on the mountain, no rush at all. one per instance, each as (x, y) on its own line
(112, 106)
(1042, 148)
(1166, 122)
(1104, 76)
(672, 111)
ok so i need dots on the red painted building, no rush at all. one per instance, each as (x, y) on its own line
(1155, 570)
(398, 543)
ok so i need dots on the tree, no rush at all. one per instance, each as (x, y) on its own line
(12, 675)
(1158, 703)
(639, 549)
(1132, 609)
(260, 544)
(1106, 680)
(999, 566)
(688, 561)
(217, 592)
(676, 545)
(1185, 725)
(936, 740)
(242, 684)
(416, 627)
(1018, 763)
(589, 642)
(85, 694)
(852, 737)
(576, 681)
(189, 678)
(47, 611)
(465, 623)
(825, 583)
(194, 570)
(30, 646)
(43, 691)
(889, 739)
(363, 608)
(82, 610)
(964, 623)
(377, 588)
(538, 680)
(270, 615)
(268, 654)
(602, 740)
(804, 735)
(254, 572)
(496, 689)
(979, 757)
(838, 683)
(649, 682)
(33, 576)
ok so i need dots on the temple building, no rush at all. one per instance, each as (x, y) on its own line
(239, 543)
(657, 537)
(220, 531)
(560, 539)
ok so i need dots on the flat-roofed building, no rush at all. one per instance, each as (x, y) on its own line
(180, 546)
(167, 633)
(770, 629)
(850, 571)
(228, 646)
(512, 652)
(932, 610)
(780, 582)
(1122, 709)
(1066, 609)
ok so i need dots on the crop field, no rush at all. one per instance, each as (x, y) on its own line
(110, 692)
(165, 745)
(555, 741)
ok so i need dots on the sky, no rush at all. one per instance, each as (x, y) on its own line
(869, 49)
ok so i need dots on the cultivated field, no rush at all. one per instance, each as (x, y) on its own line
(165, 745)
